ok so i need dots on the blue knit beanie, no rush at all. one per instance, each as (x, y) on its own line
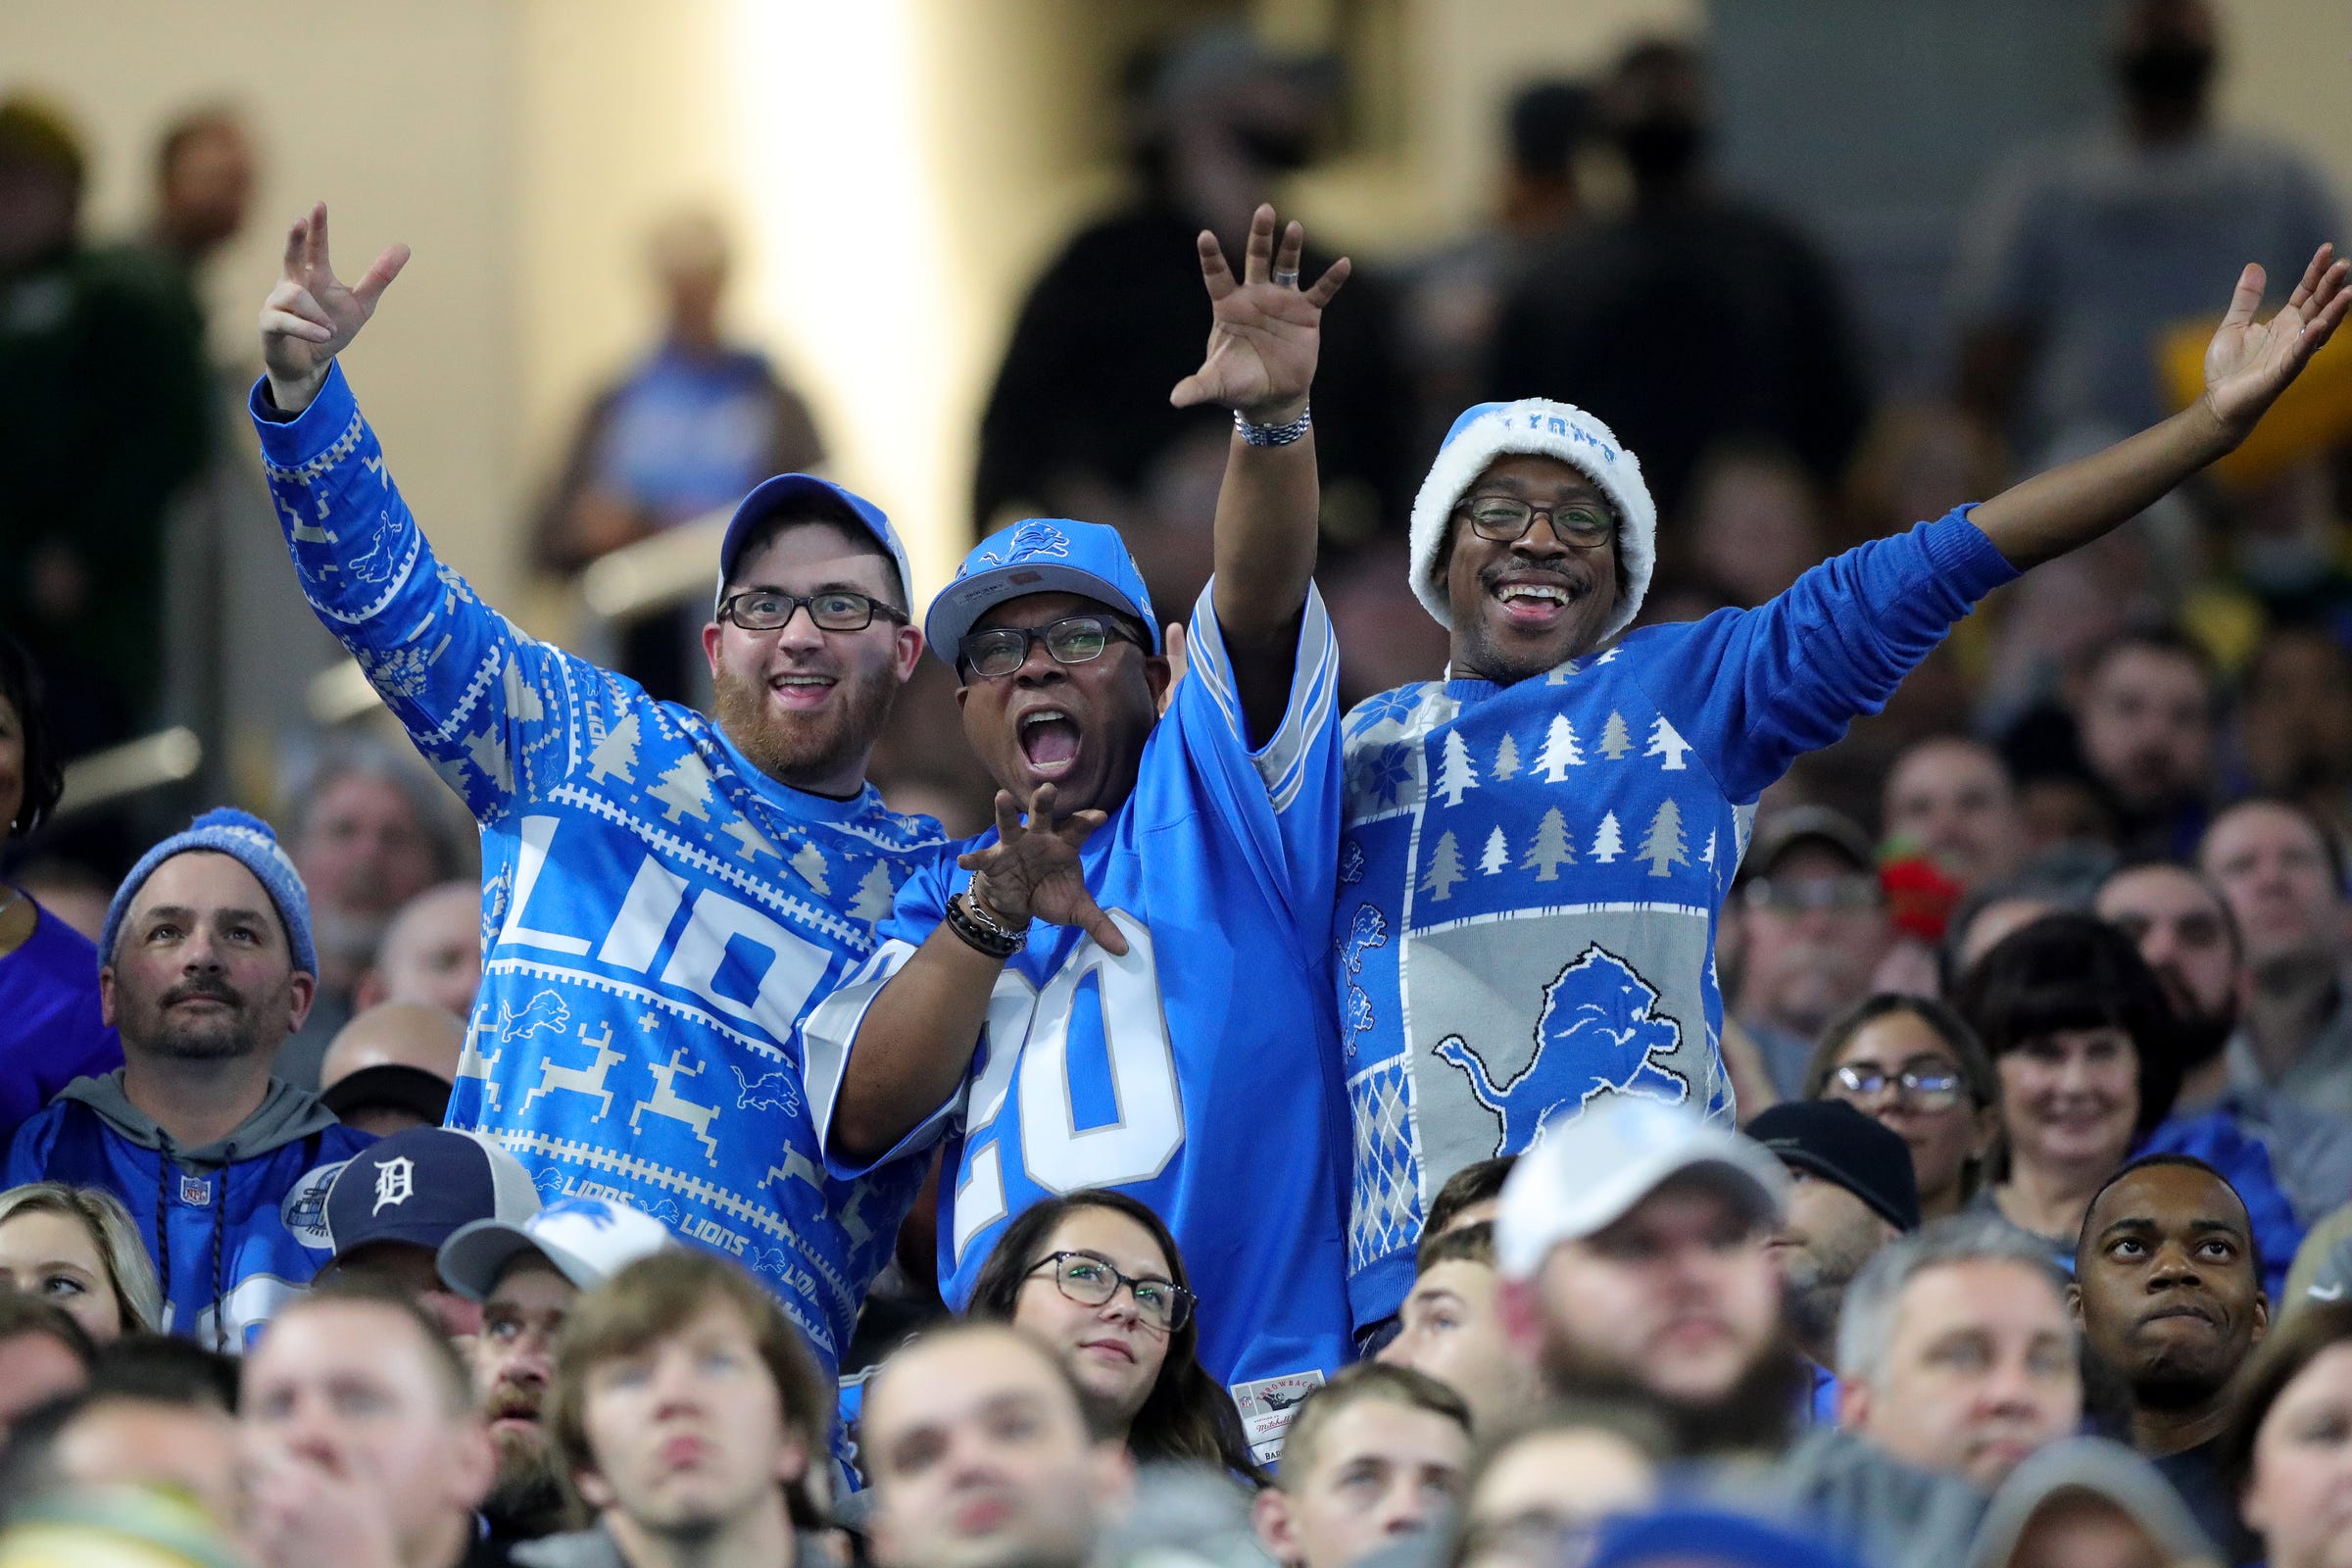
(245, 839)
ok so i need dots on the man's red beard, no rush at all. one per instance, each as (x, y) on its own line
(803, 749)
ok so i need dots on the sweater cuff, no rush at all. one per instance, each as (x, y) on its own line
(290, 440)
(1964, 557)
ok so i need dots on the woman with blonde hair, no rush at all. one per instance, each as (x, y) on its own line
(78, 1248)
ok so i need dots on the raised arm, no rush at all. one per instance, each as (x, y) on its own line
(2248, 365)
(1264, 337)
(311, 315)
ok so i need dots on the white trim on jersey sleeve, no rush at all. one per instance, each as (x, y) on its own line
(1282, 762)
(827, 1037)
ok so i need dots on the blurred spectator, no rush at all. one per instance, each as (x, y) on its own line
(179, 1442)
(431, 951)
(529, 1276)
(1992, 912)
(2283, 1452)
(2087, 1501)
(1539, 1489)
(392, 1068)
(1681, 1535)
(54, 1031)
(1453, 294)
(44, 1356)
(2186, 933)
(1078, 423)
(396, 1201)
(2144, 719)
(1097, 1278)
(2282, 876)
(1917, 460)
(1957, 1351)
(2294, 722)
(1471, 1196)
(978, 1454)
(78, 1248)
(1450, 1328)
(1752, 521)
(689, 1413)
(685, 433)
(204, 180)
(2170, 1292)
(1814, 927)
(361, 1437)
(210, 968)
(1952, 796)
(2082, 254)
(73, 893)
(102, 421)
(1697, 317)
(1913, 1064)
(368, 834)
(1850, 1192)
(1377, 1456)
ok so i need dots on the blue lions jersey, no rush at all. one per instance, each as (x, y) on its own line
(658, 914)
(1531, 874)
(1195, 1073)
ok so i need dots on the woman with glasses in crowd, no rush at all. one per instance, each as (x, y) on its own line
(2287, 1450)
(1097, 1276)
(1913, 1065)
(51, 1031)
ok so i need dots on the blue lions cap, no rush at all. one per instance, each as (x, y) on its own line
(421, 1187)
(1042, 556)
(787, 490)
(245, 839)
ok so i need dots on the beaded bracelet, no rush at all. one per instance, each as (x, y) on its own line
(980, 931)
(1273, 435)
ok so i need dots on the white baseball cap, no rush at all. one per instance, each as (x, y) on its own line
(1585, 1175)
(587, 1240)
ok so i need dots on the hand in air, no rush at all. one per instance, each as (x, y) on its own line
(2249, 363)
(312, 315)
(1032, 870)
(1263, 334)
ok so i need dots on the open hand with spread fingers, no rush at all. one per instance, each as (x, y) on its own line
(311, 315)
(2249, 363)
(1033, 873)
(1266, 330)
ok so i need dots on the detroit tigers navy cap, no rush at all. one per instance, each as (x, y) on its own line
(587, 1241)
(789, 490)
(422, 1185)
(1042, 556)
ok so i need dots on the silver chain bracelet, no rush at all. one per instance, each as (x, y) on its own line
(1273, 435)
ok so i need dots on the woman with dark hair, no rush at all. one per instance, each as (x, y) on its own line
(1911, 1064)
(1097, 1276)
(51, 1031)
(2287, 1448)
(2088, 1058)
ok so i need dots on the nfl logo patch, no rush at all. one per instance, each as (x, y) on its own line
(195, 1191)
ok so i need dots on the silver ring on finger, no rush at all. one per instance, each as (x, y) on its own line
(1286, 280)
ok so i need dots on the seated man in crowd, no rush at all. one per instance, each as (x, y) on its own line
(1851, 1191)
(135, 1426)
(392, 1068)
(2169, 1291)
(44, 1356)
(527, 1277)
(1956, 1352)
(396, 1201)
(2145, 715)
(362, 1444)
(690, 1414)
(1376, 1456)
(208, 971)
(431, 952)
(1952, 798)
(1631, 1246)
(2284, 876)
(1471, 1196)
(1814, 929)
(2186, 932)
(1127, 990)
(1538, 847)
(1449, 1328)
(976, 1446)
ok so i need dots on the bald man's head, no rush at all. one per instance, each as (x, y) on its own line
(400, 1034)
(431, 951)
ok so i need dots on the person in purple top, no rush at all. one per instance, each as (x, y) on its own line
(50, 1031)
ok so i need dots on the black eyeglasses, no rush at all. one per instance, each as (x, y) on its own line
(1928, 1088)
(830, 609)
(1071, 640)
(1089, 1281)
(1506, 520)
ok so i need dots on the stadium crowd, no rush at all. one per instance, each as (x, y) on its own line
(1515, 1115)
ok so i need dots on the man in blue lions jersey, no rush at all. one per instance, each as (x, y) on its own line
(664, 893)
(1129, 988)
